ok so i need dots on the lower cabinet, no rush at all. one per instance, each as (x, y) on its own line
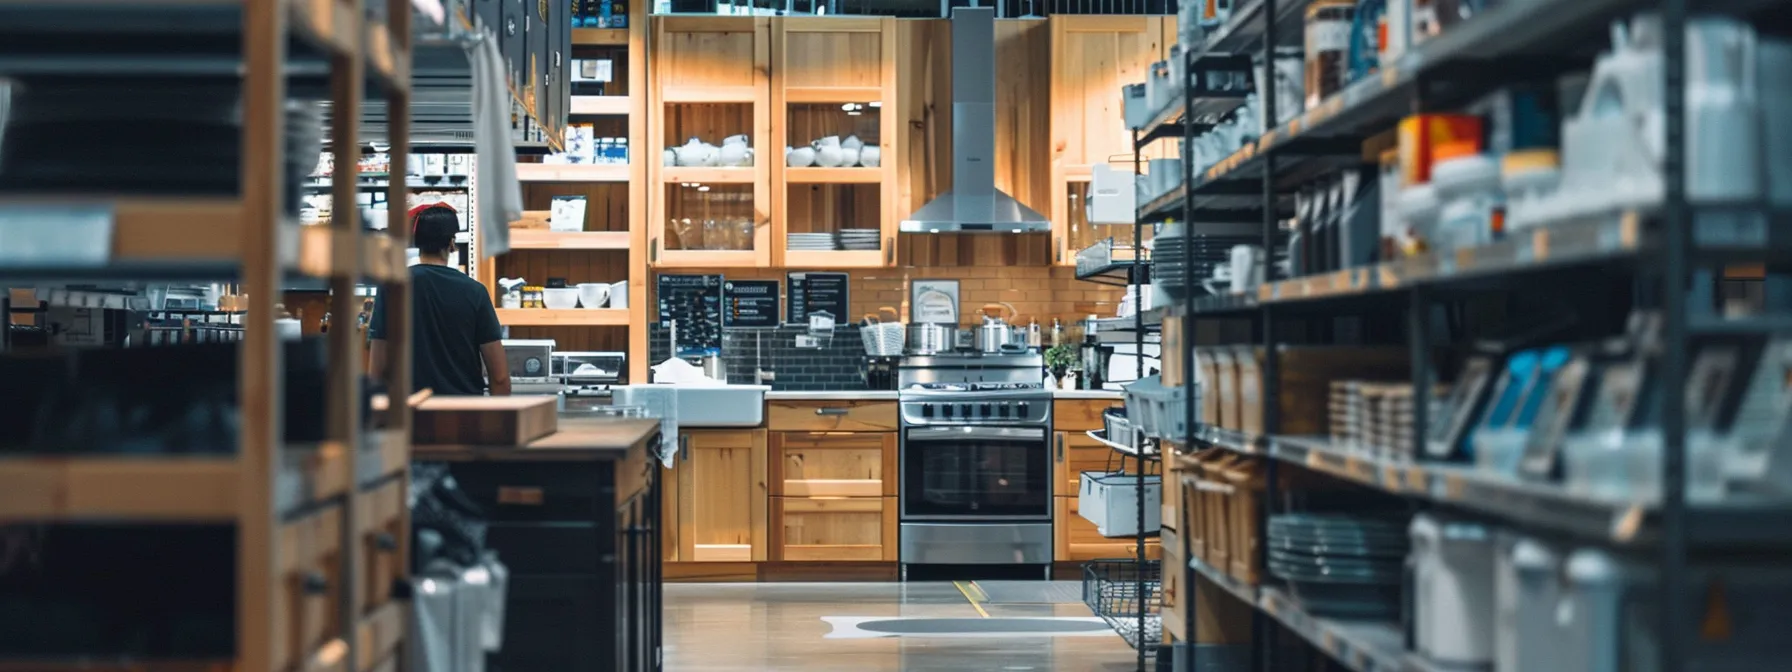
(833, 528)
(721, 496)
(1076, 539)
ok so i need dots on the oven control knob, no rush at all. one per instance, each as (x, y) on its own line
(985, 411)
(964, 411)
(1020, 410)
(1001, 410)
(926, 410)
(945, 410)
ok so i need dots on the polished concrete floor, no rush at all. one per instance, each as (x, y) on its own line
(779, 626)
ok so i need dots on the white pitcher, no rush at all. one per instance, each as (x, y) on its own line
(870, 156)
(852, 142)
(827, 152)
(734, 151)
(800, 157)
(696, 153)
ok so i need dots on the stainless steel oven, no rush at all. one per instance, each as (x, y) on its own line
(976, 462)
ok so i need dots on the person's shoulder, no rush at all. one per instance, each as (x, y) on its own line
(444, 276)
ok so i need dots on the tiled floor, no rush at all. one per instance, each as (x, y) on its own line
(778, 626)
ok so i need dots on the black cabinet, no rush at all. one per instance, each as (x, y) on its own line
(584, 562)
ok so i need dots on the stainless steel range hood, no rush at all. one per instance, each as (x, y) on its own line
(974, 205)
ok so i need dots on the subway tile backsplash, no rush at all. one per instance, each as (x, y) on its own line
(834, 366)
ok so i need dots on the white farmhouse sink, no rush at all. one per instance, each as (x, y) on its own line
(704, 405)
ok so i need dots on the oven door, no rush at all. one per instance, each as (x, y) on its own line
(984, 473)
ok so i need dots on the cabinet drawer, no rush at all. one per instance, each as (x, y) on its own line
(380, 531)
(833, 464)
(855, 528)
(309, 588)
(1080, 415)
(830, 416)
(536, 492)
(1077, 539)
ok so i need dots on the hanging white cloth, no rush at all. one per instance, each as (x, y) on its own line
(500, 195)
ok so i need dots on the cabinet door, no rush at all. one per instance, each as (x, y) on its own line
(669, 523)
(1077, 539)
(1075, 453)
(722, 496)
(825, 528)
(833, 464)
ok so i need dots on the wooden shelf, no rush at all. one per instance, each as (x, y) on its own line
(833, 94)
(834, 175)
(538, 239)
(341, 27)
(675, 174)
(41, 488)
(571, 172)
(381, 259)
(673, 93)
(577, 317)
(600, 37)
(828, 259)
(600, 105)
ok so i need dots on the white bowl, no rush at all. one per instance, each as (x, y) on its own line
(619, 294)
(593, 294)
(560, 298)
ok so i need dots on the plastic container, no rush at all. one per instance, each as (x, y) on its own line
(1529, 178)
(1527, 588)
(1454, 597)
(1418, 207)
(1472, 205)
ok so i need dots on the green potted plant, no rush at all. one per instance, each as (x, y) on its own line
(1060, 359)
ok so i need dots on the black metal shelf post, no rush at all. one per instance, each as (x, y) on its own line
(1138, 335)
(1190, 390)
(1674, 276)
(1263, 625)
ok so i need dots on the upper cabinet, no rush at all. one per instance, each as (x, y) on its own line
(834, 173)
(710, 197)
(1092, 57)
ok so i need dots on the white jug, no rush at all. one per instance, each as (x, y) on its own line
(668, 158)
(870, 156)
(849, 156)
(734, 151)
(801, 157)
(696, 153)
(827, 152)
(852, 142)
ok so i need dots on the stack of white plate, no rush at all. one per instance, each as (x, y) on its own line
(861, 239)
(812, 241)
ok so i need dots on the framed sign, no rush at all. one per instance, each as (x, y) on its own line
(933, 302)
(694, 302)
(752, 303)
(816, 292)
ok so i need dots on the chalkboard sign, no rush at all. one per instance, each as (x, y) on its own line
(752, 303)
(814, 293)
(695, 303)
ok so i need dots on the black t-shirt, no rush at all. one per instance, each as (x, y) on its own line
(451, 316)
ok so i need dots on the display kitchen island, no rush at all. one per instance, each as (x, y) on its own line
(574, 517)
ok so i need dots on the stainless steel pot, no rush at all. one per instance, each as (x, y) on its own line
(994, 335)
(932, 339)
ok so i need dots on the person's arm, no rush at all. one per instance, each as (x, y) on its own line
(497, 369)
(489, 335)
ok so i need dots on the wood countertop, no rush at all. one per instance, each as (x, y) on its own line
(577, 439)
(877, 395)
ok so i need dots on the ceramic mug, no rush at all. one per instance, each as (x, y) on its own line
(1246, 266)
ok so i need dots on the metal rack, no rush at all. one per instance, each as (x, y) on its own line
(267, 488)
(1659, 247)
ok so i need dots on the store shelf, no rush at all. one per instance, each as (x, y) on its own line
(577, 317)
(600, 37)
(837, 258)
(600, 105)
(1118, 274)
(692, 175)
(1239, 589)
(410, 182)
(833, 175)
(1362, 646)
(1149, 448)
(381, 259)
(540, 239)
(571, 172)
(44, 488)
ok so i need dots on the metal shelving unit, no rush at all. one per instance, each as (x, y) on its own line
(1661, 249)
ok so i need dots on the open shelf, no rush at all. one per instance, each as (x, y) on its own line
(576, 317)
(571, 172)
(834, 175)
(600, 104)
(600, 37)
(538, 239)
(42, 488)
(696, 175)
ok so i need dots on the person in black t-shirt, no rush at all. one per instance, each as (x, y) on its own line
(453, 325)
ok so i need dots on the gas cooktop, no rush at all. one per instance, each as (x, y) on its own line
(975, 386)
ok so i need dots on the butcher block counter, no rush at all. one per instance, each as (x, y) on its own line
(575, 516)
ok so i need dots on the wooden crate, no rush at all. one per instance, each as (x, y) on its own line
(483, 421)
(1304, 390)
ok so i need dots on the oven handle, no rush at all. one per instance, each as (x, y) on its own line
(973, 432)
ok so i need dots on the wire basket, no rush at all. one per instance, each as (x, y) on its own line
(1111, 589)
(883, 339)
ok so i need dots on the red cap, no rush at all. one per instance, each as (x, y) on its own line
(412, 215)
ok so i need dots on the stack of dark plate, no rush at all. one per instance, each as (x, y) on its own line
(1170, 258)
(861, 239)
(1341, 565)
(812, 241)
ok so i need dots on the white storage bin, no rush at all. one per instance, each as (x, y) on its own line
(1111, 501)
(1528, 586)
(1454, 622)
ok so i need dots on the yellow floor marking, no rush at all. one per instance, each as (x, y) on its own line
(965, 588)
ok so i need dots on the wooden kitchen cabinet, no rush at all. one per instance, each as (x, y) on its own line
(833, 464)
(722, 496)
(830, 416)
(1074, 453)
(833, 528)
(1076, 539)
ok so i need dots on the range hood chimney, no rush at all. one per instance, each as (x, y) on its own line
(974, 205)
